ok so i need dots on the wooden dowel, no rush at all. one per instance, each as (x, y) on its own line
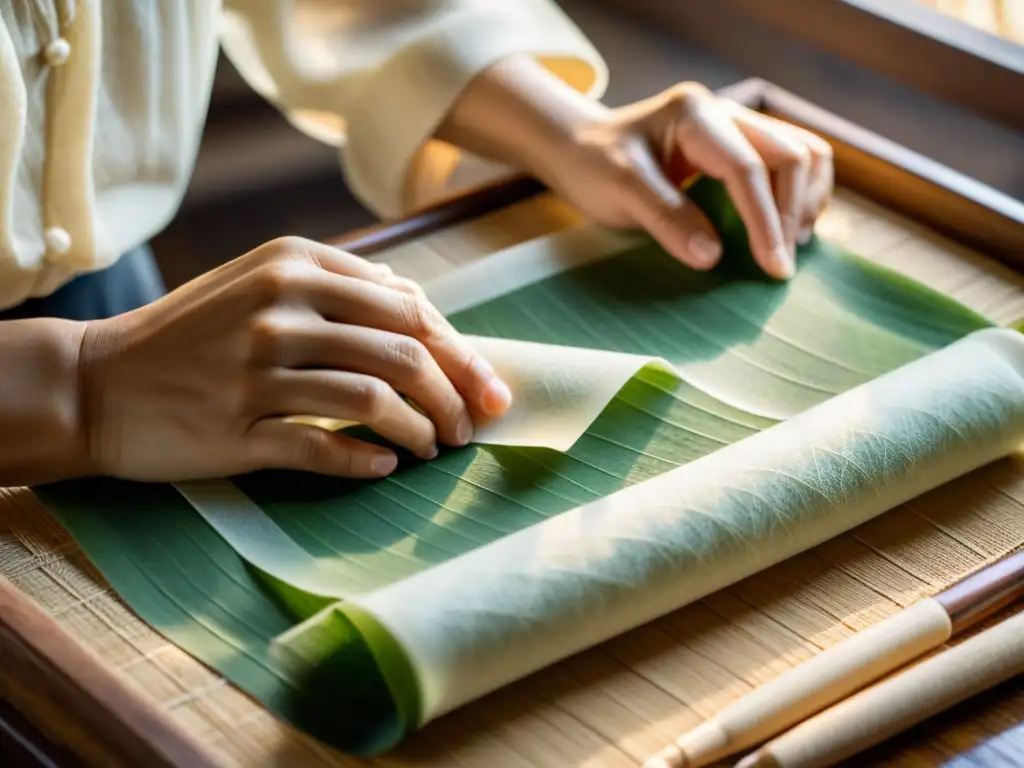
(848, 666)
(900, 702)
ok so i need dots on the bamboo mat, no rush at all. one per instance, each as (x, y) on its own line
(1004, 18)
(616, 704)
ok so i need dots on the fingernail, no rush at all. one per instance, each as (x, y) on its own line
(464, 430)
(783, 262)
(482, 369)
(497, 397)
(383, 464)
(705, 250)
(430, 453)
(805, 235)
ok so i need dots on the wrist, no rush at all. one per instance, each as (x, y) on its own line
(62, 415)
(40, 404)
(519, 113)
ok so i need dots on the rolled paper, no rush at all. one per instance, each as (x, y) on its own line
(459, 630)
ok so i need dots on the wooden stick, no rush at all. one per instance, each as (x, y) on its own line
(52, 679)
(848, 666)
(984, 661)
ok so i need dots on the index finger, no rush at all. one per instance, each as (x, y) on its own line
(399, 306)
(474, 378)
(721, 149)
(341, 262)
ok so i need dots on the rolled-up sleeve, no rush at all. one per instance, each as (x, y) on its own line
(377, 78)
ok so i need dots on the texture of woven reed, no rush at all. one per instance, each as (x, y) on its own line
(1004, 18)
(618, 703)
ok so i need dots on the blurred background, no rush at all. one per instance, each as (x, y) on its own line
(944, 77)
(1000, 17)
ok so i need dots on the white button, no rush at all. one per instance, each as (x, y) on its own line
(58, 240)
(57, 52)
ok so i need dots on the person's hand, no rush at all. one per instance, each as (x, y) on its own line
(626, 171)
(202, 382)
(625, 167)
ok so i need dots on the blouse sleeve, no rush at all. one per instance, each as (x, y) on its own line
(376, 78)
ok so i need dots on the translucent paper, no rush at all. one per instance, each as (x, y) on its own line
(557, 390)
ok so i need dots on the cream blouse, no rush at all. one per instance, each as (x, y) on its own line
(102, 104)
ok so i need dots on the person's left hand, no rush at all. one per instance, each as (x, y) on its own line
(625, 167)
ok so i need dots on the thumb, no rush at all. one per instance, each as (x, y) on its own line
(668, 216)
(277, 443)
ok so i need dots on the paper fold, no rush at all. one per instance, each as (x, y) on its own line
(557, 391)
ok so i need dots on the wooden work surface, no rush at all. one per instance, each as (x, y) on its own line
(618, 703)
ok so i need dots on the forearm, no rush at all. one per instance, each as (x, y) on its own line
(40, 435)
(518, 113)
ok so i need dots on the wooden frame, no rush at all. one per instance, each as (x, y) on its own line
(53, 678)
(899, 39)
(47, 674)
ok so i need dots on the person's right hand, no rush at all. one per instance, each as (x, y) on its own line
(201, 383)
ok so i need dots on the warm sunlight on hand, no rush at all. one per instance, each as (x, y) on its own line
(627, 171)
(624, 167)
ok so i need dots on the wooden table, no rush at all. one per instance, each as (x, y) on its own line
(98, 681)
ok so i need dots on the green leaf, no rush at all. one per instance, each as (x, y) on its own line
(751, 350)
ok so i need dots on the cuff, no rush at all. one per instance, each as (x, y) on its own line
(402, 103)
